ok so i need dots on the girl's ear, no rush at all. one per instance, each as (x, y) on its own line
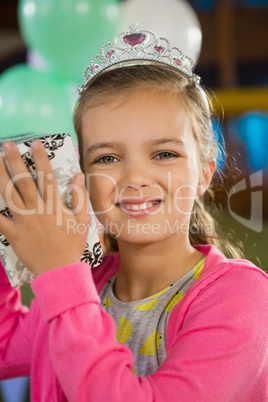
(206, 175)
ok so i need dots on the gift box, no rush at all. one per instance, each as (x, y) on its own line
(62, 155)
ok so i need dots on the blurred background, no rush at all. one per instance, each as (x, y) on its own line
(46, 44)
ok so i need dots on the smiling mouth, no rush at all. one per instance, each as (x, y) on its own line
(138, 207)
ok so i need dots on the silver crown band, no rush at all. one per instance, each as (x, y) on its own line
(138, 47)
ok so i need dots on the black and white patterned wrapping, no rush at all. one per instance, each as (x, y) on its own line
(63, 159)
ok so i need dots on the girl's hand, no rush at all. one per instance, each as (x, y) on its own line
(42, 229)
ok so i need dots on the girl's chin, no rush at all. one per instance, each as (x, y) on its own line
(146, 229)
(144, 236)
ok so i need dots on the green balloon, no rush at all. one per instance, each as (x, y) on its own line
(33, 101)
(68, 33)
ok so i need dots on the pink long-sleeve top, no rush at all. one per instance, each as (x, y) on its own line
(217, 338)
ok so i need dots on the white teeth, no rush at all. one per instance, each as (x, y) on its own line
(139, 207)
(135, 207)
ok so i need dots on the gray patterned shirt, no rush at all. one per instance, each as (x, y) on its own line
(141, 325)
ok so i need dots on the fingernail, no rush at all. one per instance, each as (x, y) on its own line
(35, 145)
(8, 146)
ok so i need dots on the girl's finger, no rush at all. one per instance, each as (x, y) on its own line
(47, 183)
(80, 199)
(21, 176)
(9, 192)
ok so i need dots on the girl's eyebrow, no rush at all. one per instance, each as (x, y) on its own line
(165, 140)
(99, 145)
(114, 144)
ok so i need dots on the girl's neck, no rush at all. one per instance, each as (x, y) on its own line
(147, 269)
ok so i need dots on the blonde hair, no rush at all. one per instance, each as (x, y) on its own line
(151, 77)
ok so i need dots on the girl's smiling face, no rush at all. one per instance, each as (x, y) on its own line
(142, 165)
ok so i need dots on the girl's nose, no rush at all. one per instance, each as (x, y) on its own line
(137, 175)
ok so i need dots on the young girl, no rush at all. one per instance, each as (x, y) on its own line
(167, 317)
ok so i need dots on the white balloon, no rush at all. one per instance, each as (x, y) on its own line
(173, 19)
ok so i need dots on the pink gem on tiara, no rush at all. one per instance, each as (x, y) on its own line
(109, 53)
(159, 49)
(134, 39)
(177, 61)
(94, 68)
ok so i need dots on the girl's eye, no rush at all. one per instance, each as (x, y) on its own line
(106, 159)
(166, 155)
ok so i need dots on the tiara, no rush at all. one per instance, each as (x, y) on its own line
(138, 47)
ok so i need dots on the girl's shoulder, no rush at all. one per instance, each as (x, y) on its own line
(228, 292)
(236, 274)
(228, 284)
(102, 273)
